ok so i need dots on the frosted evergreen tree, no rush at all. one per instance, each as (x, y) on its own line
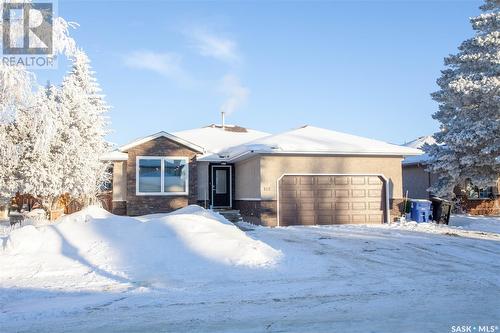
(18, 97)
(36, 130)
(9, 158)
(84, 127)
(469, 109)
(16, 90)
(16, 86)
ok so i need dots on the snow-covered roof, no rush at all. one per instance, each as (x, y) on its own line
(208, 140)
(114, 155)
(419, 143)
(315, 140)
(233, 143)
(215, 138)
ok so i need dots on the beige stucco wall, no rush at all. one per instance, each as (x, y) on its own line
(247, 179)
(119, 181)
(203, 181)
(272, 167)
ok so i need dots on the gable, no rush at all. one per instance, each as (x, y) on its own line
(170, 137)
(161, 146)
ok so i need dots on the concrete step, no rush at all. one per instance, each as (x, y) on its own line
(228, 211)
(232, 215)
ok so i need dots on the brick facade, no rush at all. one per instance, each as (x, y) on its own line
(149, 204)
(396, 208)
(482, 206)
(260, 212)
(119, 208)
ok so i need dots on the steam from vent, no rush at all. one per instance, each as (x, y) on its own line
(236, 93)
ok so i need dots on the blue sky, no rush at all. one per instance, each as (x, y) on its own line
(365, 67)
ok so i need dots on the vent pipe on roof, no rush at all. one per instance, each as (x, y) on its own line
(223, 114)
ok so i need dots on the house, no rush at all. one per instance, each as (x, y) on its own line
(417, 180)
(305, 176)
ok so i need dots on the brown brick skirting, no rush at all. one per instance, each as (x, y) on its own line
(396, 208)
(203, 203)
(482, 206)
(156, 204)
(260, 212)
(119, 208)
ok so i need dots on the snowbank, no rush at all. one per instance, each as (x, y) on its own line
(478, 223)
(212, 236)
(189, 244)
(24, 240)
(460, 225)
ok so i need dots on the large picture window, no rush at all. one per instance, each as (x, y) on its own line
(162, 175)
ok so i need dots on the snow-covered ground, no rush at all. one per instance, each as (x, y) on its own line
(194, 271)
(479, 223)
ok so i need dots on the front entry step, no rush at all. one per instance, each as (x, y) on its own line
(232, 215)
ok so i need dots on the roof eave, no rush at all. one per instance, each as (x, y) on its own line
(417, 163)
(114, 155)
(323, 152)
(249, 153)
(111, 159)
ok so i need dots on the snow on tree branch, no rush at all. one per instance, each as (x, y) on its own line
(51, 138)
(469, 109)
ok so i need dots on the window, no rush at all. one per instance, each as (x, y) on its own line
(175, 174)
(220, 181)
(162, 175)
(149, 175)
(473, 192)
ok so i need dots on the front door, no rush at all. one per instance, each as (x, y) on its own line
(221, 186)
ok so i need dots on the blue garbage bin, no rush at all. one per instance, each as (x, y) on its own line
(420, 210)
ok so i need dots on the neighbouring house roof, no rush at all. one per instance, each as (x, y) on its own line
(315, 140)
(419, 143)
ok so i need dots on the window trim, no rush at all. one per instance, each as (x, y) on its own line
(488, 189)
(162, 175)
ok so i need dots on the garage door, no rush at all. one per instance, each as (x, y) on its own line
(325, 199)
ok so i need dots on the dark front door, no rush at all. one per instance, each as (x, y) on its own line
(221, 186)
